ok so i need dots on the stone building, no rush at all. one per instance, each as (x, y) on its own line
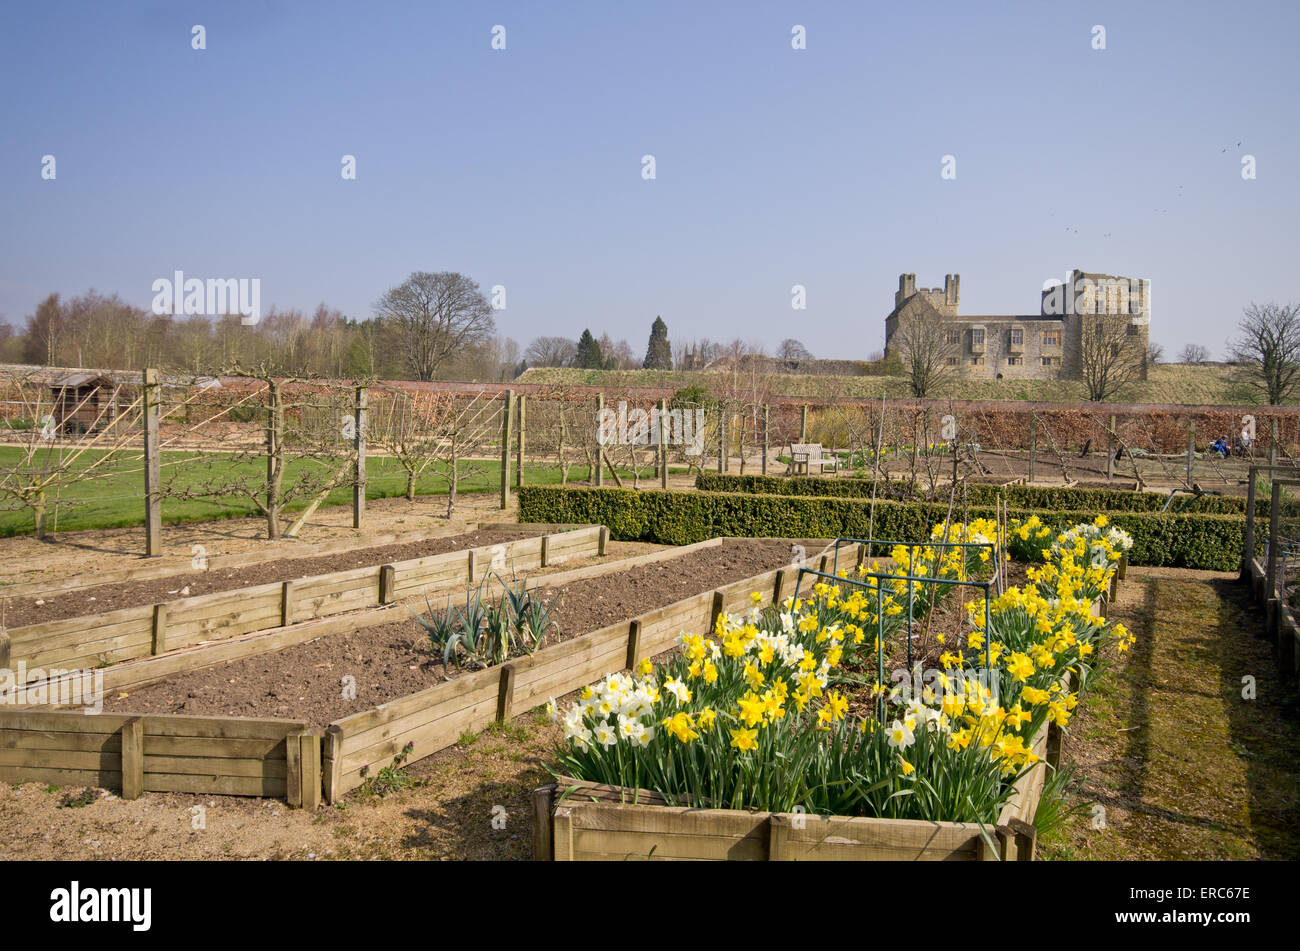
(1046, 345)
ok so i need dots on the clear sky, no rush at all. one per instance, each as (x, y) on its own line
(774, 166)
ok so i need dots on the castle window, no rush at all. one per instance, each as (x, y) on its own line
(1015, 361)
(1051, 361)
(977, 338)
(977, 361)
(951, 361)
(1051, 338)
(1017, 337)
(954, 337)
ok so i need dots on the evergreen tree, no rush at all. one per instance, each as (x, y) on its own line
(658, 355)
(588, 356)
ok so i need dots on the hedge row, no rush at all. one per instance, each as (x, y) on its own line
(680, 518)
(1018, 496)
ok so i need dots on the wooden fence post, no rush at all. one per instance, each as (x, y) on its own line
(132, 758)
(293, 771)
(1272, 441)
(778, 586)
(633, 645)
(519, 456)
(803, 423)
(152, 467)
(546, 551)
(716, 611)
(1033, 444)
(1110, 449)
(663, 444)
(1248, 543)
(599, 476)
(766, 423)
(506, 693)
(542, 835)
(1191, 448)
(311, 778)
(359, 465)
(286, 603)
(387, 583)
(472, 560)
(602, 540)
(506, 414)
(159, 638)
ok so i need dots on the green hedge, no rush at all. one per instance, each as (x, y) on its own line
(1037, 497)
(680, 518)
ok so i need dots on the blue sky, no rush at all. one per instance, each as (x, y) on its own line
(522, 167)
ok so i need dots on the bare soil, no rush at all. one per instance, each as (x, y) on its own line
(395, 659)
(109, 597)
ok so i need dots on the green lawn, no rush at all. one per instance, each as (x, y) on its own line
(114, 497)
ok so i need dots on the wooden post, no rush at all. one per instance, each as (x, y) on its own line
(778, 586)
(663, 444)
(1272, 441)
(159, 642)
(506, 414)
(766, 423)
(309, 759)
(1110, 449)
(359, 464)
(1191, 448)
(562, 834)
(293, 771)
(722, 442)
(286, 603)
(633, 645)
(506, 693)
(1270, 576)
(387, 583)
(546, 550)
(602, 540)
(599, 453)
(472, 559)
(1248, 543)
(519, 456)
(152, 467)
(716, 611)
(1033, 444)
(803, 423)
(542, 835)
(132, 758)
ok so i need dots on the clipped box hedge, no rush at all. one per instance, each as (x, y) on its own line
(680, 518)
(1035, 497)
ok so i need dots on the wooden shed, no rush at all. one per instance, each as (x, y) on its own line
(82, 401)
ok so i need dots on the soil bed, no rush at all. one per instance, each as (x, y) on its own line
(97, 600)
(394, 659)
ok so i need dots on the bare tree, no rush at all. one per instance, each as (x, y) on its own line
(1193, 353)
(792, 350)
(1155, 354)
(550, 352)
(1110, 358)
(1266, 351)
(928, 352)
(435, 316)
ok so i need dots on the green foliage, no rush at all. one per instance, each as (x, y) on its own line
(487, 632)
(589, 356)
(81, 799)
(390, 778)
(1035, 497)
(679, 518)
(659, 354)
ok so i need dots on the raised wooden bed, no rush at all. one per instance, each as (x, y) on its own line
(150, 630)
(433, 719)
(579, 821)
(230, 756)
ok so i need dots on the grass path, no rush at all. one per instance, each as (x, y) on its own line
(1182, 764)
